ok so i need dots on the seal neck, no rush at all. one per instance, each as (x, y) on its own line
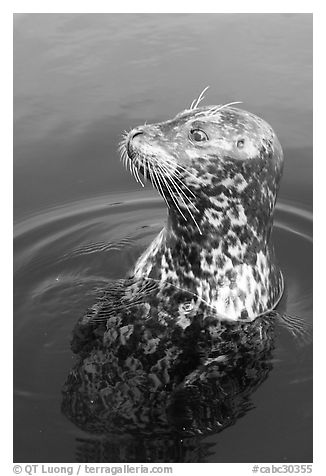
(230, 265)
(233, 272)
(222, 253)
(228, 223)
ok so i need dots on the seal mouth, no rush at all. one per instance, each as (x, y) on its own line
(128, 157)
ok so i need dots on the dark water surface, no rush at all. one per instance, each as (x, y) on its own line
(80, 219)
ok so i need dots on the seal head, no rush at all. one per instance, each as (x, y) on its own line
(218, 169)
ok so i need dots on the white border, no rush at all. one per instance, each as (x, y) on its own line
(319, 193)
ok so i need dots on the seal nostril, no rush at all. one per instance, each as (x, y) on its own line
(136, 134)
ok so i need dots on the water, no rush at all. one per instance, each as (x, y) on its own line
(80, 80)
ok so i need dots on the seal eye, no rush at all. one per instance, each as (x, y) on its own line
(240, 143)
(198, 135)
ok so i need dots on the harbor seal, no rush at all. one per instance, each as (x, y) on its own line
(218, 169)
(179, 345)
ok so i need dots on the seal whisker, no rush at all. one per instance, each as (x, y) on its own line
(133, 171)
(193, 218)
(197, 101)
(144, 165)
(122, 144)
(178, 189)
(176, 173)
(159, 180)
(173, 184)
(198, 180)
(177, 177)
(150, 174)
(137, 175)
(124, 158)
(185, 186)
(172, 196)
(128, 163)
(157, 175)
(153, 182)
(165, 179)
(178, 166)
(215, 109)
(192, 105)
(173, 178)
(121, 150)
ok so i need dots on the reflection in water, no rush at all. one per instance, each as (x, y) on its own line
(139, 448)
(162, 386)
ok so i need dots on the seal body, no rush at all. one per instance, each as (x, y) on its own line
(180, 344)
(219, 171)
